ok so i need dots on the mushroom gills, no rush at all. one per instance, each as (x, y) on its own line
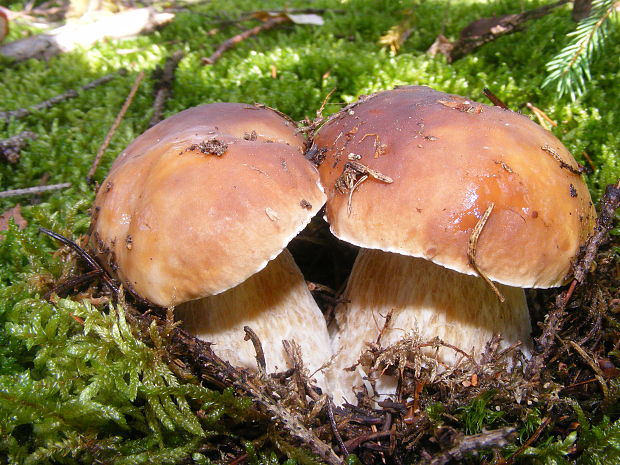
(426, 300)
(277, 305)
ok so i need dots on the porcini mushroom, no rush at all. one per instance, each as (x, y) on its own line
(202, 206)
(457, 206)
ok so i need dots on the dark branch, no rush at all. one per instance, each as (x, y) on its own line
(233, 41)
(84, 256)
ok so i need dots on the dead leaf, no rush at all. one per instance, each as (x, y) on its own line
(16, 214)
(312, 19)
(441, 45)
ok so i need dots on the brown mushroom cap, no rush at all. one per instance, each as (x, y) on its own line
(449, 159)
(204, 200)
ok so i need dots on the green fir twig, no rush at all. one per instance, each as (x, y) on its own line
(569, 70)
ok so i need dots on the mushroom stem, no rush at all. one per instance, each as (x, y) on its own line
(424, 298)
(277, 305)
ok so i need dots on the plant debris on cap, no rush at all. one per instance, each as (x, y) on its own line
(193, 208)
(449, 159)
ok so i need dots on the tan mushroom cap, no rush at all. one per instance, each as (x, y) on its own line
(182, 221)
(449, 159)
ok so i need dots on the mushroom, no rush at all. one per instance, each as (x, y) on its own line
(197, 212)
(457, 206)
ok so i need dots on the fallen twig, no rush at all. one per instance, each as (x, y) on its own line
(468, 444)
(598, 373)
(485, 30)
(589, 160)
(495, 100)
(230, 43)
(70, 284)
(33, 190)
(10, 148)
(541, 115)
(163, 88)
(258, 348)
(472, 249)
(84, 256)
(610, 202)
(526, 444)
(114, 127)
(334, 426)
(23, 112)
(354, 443)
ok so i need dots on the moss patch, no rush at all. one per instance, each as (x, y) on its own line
(76, 383)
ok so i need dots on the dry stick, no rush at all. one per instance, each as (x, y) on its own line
(23, 112)
(293, 352)
(610, 202)
(334, 426)
(310, 126)
(66, 38)
(541, 115)
(84, 256)
(33, 190)
(354, 443)
(527, 443)
(495, 100)
(258, 348)
(10, 148)
(472, 250)
(589, 160)
(164, 86)
(355, 186)
(115, 125)
(485, 30)
(487, 440)
(230, 43)
(69, 284)
(598, 373)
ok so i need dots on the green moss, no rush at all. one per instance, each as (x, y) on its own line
(69, 393)
(479, 413)
(92, 391)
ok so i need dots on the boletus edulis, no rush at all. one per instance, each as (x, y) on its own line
(197, 212)
(457, 206)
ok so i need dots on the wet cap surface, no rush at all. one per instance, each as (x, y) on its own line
(448, 159)
(188, 211)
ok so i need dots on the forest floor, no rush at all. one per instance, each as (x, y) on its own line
(90, 376)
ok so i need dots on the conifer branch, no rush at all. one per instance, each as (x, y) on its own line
(569, 70)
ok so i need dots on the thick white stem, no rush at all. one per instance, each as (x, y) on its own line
(277, 305)
(424, 298)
